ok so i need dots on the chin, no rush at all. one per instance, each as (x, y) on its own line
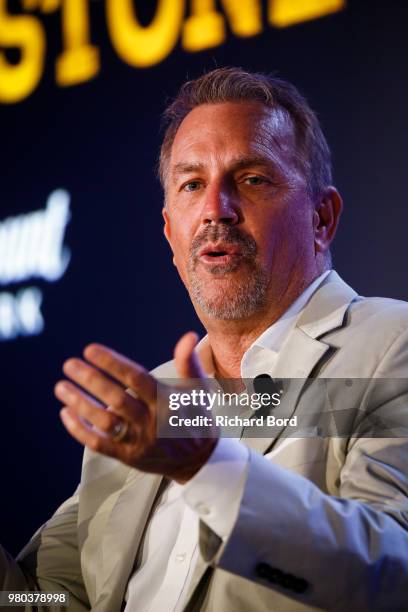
(229, 305)
(230, 296)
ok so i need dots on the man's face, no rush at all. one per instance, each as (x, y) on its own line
(238, 216)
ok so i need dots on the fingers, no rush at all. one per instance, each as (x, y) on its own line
(118, 400)
(96, 383)
(127, 372)
(85, 406)
(103, 380)
(87, 420)
(93, 425)
(85, 435)
(187, 361)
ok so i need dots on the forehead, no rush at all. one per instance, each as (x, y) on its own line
(214, 132)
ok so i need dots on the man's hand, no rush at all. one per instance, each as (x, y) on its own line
(106, 375)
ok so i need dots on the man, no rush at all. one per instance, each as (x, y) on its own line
(271, 523)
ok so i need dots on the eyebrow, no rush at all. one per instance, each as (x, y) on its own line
(243, 161)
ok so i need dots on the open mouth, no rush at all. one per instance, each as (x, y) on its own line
(218, 254)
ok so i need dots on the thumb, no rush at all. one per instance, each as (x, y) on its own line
(187, 361)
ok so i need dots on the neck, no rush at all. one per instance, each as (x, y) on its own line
(229, 339)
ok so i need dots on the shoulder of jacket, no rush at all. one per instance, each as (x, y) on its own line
(386, 312)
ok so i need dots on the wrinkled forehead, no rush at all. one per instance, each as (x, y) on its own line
(233, 128)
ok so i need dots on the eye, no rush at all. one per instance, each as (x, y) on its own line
(254, 180)
(191, 186)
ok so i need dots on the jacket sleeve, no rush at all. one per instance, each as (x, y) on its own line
(344, 552)
(49, 562)
(327, 552)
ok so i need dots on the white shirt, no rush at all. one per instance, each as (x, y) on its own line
(169, 549)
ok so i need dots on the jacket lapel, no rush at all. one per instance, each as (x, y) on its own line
(303, 351)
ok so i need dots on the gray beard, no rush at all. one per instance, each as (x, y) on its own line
(244, 299)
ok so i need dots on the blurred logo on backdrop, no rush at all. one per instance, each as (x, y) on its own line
(31, 248)
(197, 24)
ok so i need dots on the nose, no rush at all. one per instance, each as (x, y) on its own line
(220, 206)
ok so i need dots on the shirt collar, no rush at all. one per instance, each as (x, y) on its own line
(272, 338)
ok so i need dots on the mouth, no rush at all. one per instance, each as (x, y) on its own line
(218, 254)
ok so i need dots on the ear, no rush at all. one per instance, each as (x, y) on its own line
(326, 219)
(167, 228)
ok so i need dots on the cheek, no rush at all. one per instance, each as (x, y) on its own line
(178, 234)
(181, 251)
(270, 230)
(284, 236)
(180, 256)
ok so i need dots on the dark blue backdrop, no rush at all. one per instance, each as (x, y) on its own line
(99, 140)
